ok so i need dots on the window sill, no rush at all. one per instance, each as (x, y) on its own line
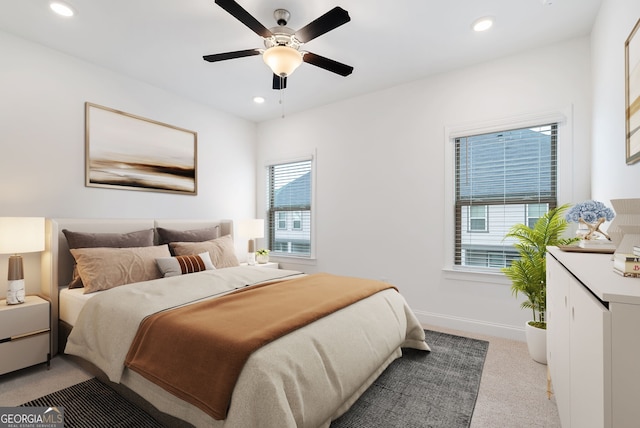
(476, 275)
(293, 260)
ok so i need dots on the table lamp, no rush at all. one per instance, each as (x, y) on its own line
(19, 235)
(251, 229)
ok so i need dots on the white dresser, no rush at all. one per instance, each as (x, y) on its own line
(593, 340)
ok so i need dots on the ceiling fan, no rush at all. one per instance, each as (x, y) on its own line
(282, 44)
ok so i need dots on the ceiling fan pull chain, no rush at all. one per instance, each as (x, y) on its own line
(282, 95)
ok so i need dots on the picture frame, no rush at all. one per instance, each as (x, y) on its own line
(129, 152)
(632, 95)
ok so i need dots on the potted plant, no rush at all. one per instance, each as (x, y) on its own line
(528, 274)
(262, 256)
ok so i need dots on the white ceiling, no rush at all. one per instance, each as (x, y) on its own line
(388, 43)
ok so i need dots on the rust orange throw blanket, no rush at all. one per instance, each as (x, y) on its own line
(197, 352)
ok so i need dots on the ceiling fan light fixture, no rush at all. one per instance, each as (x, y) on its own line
(282, 60)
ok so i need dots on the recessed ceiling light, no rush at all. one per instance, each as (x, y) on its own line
(62, 9)
(482, 24)
(258, 100)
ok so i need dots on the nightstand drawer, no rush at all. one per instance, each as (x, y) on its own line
(23, 318)
(25, 352)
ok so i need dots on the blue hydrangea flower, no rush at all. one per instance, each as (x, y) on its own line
(589, 211)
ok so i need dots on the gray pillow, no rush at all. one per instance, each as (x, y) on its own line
(75, 240)
(140, 238)
(166, 236)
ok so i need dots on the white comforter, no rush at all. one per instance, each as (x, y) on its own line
(304, 379)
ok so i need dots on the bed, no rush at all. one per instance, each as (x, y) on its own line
(306, 377)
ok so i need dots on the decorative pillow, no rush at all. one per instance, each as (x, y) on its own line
(105, 268)
(140, 238)
(196, 235)
(221, 250)
(180, 265)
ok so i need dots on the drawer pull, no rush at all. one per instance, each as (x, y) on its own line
(25, 335)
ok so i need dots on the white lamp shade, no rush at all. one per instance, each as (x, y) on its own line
(252, 228)
(21, 235)
(282, 60)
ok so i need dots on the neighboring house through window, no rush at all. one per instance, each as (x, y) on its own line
(501, 178)
(289, 208)
(477, 218)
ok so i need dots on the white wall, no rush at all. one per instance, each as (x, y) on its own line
(612, 178)
(380, 207)
(42, 96)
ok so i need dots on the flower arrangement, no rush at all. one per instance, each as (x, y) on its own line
(262, 252)
(592, 214)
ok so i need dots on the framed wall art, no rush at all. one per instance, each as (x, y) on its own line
(632, 94)
(124, 151)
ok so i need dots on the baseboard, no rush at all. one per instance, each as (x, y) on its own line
(471, 325)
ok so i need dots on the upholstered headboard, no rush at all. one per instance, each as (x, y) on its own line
(57, 261)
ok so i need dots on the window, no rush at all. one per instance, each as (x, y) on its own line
(477, 218)
(534, 212)
(289, 208)
(501, 178)
(282, 220)
(297, 220)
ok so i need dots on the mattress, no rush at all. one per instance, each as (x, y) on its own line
(71, 301)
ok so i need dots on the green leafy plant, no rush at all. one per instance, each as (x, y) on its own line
(528, 274)
(262, 252)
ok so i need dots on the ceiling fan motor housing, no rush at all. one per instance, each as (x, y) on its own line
(282, 35)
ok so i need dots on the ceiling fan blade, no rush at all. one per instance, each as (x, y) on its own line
(245, 17)
(327, 22)
(327, 64)
(231, 55)
(279, 82)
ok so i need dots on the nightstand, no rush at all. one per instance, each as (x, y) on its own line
(24, 334)
(271, 265)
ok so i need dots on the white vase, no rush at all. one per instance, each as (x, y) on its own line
(262, 258)
(537, 343)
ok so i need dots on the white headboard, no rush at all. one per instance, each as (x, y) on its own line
(57, 261)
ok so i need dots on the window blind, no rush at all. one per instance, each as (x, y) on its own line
(511, 176)
(289, 211)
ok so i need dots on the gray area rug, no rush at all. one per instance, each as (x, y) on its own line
(421, 389)
(424, 389)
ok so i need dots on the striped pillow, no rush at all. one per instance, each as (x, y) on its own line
(180, 265)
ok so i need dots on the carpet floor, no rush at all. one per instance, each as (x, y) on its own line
(421, 389)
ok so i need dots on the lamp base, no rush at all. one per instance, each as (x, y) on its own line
(251, 259)
(15, 292)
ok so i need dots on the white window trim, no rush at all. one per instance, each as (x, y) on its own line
(563, 117)
(263, 203)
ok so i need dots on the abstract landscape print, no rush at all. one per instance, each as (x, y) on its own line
(632, 95)
(130, 152)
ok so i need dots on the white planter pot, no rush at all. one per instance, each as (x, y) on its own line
(537, 343)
